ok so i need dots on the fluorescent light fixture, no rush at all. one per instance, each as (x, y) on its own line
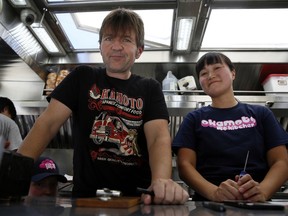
(44, 37)
(18, 2)
(184, 29)
(25, 39)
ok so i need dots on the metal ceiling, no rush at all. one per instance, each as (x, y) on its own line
(198, 8)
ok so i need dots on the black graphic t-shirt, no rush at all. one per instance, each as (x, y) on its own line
(109, 143)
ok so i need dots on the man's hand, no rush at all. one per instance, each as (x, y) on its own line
(166, 191)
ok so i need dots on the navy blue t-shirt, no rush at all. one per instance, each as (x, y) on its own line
(222, 138)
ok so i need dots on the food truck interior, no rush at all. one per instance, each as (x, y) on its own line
(39, 38)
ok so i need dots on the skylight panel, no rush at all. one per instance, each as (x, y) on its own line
(82, 29)
(246, 29)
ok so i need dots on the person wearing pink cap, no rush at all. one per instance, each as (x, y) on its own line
(45, 178)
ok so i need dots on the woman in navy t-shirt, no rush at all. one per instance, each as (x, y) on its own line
(212, 142)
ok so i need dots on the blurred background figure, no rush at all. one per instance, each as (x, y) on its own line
(45, 178)
(2, 144)
(9, 130)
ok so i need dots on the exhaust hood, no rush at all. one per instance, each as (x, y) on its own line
(21, 75)
(17, 80)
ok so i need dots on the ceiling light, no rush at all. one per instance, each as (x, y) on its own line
(45, 38)
(26, 40)
(183, 36)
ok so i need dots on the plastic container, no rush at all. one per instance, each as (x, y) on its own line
(187, 83)
(277, 83)
(170, 83)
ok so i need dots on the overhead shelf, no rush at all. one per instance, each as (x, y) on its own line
(180, 105)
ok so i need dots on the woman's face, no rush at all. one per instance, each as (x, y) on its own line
(216, 79)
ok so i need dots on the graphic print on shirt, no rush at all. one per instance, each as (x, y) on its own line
(114, 129)
(242, 123)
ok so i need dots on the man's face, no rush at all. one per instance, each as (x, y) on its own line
(6, 112)
(120, 51)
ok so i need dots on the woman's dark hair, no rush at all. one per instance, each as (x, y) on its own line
(7, 103)
(213, 58)
(123, 20)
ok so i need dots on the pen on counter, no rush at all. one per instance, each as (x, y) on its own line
(214, 206)
(145, 191)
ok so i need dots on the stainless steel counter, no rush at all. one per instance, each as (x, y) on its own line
(66, 206)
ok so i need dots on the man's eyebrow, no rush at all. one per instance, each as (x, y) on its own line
(107, 34)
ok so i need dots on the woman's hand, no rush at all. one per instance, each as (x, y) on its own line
(250, 189)
(227, 190)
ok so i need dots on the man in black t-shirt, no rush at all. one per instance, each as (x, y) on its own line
(120, 120)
